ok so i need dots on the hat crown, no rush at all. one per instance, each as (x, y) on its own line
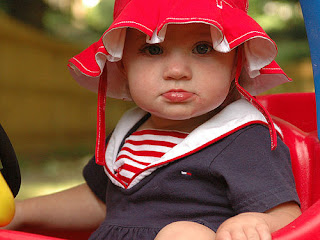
(119, 5)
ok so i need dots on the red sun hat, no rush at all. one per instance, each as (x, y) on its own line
(230, 25)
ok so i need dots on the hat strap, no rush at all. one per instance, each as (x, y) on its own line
(254, 101)
(101, 122)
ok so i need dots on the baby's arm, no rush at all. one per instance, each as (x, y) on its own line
(73, 209)
(247, 226)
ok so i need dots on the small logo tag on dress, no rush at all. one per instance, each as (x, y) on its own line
(186, 173)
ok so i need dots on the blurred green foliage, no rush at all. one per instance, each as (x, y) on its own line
(85, 30)
(283, 21)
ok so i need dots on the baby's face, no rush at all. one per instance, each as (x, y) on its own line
(180, 78)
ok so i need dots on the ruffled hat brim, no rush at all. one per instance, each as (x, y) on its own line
(230, 27)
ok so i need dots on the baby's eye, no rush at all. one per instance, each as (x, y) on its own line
(202, 48)
(152, 50)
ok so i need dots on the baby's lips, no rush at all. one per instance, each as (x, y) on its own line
(177, 95)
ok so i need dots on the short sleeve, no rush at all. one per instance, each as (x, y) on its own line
(96, 179)
(257, 178)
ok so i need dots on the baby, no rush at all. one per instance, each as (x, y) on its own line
(199, 157)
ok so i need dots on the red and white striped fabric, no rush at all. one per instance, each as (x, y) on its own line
(143, 148)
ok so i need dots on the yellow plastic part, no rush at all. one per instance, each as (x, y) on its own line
(7, 206)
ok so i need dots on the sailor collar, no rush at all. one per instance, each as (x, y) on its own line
(235, 116)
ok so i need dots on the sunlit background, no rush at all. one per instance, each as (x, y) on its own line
(50, 119)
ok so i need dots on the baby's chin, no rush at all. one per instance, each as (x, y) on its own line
(174, 116)
(181, 115)
(182, 121)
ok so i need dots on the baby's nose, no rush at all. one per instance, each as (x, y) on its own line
(177, 68)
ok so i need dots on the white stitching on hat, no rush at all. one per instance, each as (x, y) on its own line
(139, 24)
(228, 4)
(102, 47)
(190, 19)
(245, 35)
(247, 5)
(265, 68)
(219, 3)
(85, 67)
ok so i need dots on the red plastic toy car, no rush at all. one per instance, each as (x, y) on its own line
(295, 114)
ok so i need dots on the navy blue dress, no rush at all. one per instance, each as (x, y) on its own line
(237, 174)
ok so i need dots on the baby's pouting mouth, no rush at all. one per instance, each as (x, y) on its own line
(177, 95)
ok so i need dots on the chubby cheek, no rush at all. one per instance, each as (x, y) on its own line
(142, 81)
(216, 85)
(214, 95)
(142, 92)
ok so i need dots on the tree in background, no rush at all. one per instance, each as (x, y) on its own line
(30, 12)
(82, 21)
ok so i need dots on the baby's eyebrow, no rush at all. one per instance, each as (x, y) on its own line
(136, 34)
(203, 34)
(140, 36)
